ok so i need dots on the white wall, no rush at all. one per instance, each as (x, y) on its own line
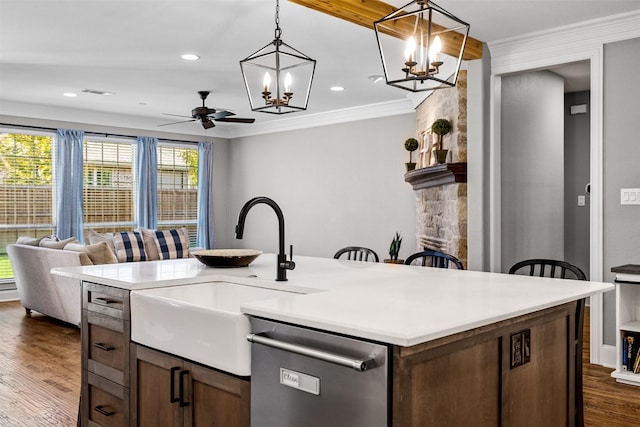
(532, 174)
(337, 186)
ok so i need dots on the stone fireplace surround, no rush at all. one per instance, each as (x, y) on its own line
(441, 190)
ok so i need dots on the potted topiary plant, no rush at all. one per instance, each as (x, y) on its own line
(411, 145)
(394, 250)
(441, 127)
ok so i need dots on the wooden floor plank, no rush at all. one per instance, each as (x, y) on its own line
(40, 376)
(39, 369)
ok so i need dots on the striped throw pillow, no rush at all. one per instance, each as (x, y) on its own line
(172, 244)
(129, 246)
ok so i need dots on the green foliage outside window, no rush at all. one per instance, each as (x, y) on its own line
(26, 159)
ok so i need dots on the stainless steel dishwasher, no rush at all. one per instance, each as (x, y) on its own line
(304, 377)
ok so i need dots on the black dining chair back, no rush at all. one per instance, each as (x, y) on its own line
(562, 270)
(548, 268)
(434, 259)
(357, 253)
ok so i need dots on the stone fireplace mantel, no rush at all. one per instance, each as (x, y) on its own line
(437, 175)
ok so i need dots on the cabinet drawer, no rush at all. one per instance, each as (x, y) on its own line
(107, 403)
(106, 342)
(106, 300)
(107, 347)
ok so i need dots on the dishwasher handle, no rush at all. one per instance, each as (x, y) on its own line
(325, 356)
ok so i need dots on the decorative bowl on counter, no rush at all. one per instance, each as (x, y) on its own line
(226, 258)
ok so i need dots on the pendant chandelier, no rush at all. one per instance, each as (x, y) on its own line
(278, 77)
(421, 46)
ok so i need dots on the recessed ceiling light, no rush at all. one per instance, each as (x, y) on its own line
(376, 78)
(337, 88)
(70, 94)
(190, 57)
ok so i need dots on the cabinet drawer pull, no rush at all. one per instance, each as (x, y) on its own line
(99, 410)
(172, 397)
(181, 384)
(104, 301)
(102, 346)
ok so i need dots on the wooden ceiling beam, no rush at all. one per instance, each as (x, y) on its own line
(366, 12)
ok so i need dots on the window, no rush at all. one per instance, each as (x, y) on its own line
(108, 186)
(26, 191)
(178, 188)
(27, 188)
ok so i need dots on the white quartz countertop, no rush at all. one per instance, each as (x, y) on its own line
(395, 304)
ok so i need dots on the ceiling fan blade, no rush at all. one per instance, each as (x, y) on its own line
(177, 115)
(236, 120)
(221, 114)
(175, 123)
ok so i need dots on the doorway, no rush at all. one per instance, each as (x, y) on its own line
(545, 158)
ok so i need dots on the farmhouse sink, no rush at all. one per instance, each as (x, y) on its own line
(200, 322)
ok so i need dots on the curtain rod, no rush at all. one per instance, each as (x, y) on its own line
(105, 134)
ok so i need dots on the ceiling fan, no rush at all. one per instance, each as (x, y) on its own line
(208, 115)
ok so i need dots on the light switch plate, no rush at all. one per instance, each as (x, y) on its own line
(630, 196)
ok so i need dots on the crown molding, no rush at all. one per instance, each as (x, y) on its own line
(286, 123)
(363, 112)
(563, 44)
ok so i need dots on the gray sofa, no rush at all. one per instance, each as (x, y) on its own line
(38, 289)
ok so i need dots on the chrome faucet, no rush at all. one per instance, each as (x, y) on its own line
(283, 265)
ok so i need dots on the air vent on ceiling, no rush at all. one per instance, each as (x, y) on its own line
(98, 92)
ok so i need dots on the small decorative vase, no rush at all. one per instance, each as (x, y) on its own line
(441, 156)
(410, 166)
(393, 261)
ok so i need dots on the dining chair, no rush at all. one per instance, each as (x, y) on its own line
(562, 270)
(435, 259)
(357, 253)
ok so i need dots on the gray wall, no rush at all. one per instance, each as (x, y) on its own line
(621, 169)
(532, 159)
(576, 176)
(337, 185)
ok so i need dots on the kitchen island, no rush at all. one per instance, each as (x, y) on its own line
(467, 348)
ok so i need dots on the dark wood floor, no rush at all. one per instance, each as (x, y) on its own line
(40, 376)
(39, 369)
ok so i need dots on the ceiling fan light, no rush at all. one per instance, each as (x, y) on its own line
(207, 124)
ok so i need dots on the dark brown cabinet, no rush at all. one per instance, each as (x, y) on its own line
(470, 378)
(170, 391)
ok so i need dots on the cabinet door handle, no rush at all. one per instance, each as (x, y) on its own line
(99, 409)
(172, 397)
(104, 301)
(181, 384)
(102, 346)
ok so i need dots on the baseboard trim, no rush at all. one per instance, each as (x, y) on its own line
(608, 356)
(9, 295)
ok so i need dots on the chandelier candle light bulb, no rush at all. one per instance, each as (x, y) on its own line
(410, 51)
(435, 49)
(266, 81)
(287, 84)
